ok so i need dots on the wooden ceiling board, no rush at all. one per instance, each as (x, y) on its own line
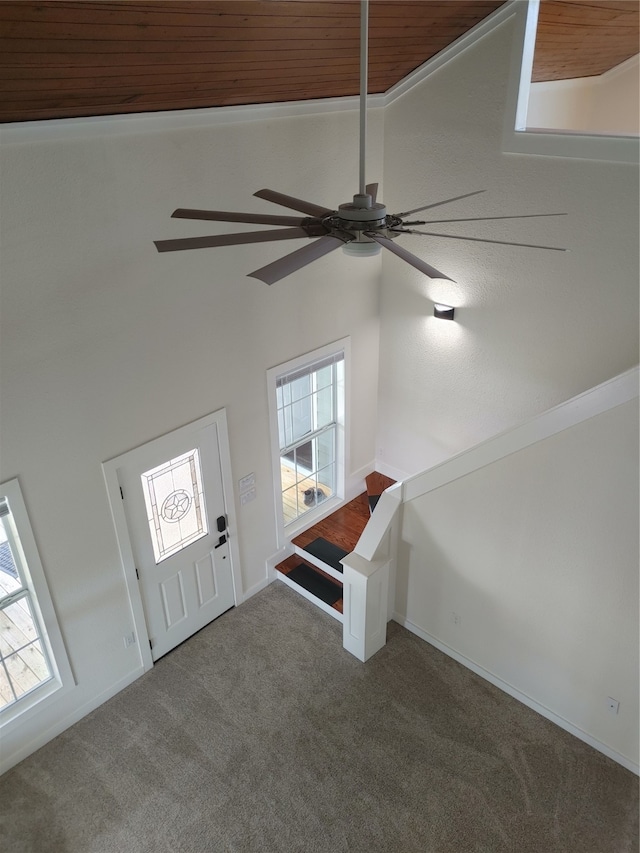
(64, 58)
(67, 58)
(584, 38)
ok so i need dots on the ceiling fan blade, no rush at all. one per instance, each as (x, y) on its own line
(230, 216)
(293, 203)
(228, 239)
(438, 203)
(482, 240)
(483, 218)
(298, 259)
(372, 190)
(416, 262)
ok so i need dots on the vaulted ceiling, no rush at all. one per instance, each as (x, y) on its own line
(63, 58)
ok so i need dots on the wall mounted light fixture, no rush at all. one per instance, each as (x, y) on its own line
(443, 312)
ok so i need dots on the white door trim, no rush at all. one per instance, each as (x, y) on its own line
(110, 473)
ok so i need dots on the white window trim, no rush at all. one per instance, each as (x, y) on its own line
(518, 139)
(284, 534)
(31, 567)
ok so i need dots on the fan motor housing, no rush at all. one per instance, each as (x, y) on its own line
(352, 217)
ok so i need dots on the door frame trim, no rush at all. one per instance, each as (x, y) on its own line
(116, 504)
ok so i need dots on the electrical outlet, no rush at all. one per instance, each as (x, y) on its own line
(129, 639)
(455, 618)
(613, 705)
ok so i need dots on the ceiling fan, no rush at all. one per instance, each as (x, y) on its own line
(360, 227)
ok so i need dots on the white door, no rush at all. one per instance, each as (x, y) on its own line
(173, 499)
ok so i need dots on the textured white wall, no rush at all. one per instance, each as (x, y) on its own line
(533, 328)
(537, 555)
(562, 104)
(617, 101)
(609, 103)
(107, 344)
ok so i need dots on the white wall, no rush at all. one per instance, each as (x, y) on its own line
(609, 103)
(537, 555)
(107, 344)
(532, 327)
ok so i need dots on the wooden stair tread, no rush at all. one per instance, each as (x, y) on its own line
(342, 528)
(377, 483)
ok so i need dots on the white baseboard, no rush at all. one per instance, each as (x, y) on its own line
(389, 471)
(42, 738)
(272, 561)
(517, 694)
(258, 587)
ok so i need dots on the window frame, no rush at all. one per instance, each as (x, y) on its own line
(286, 532)
(25, 552)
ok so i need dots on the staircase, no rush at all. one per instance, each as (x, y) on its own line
(314, 569)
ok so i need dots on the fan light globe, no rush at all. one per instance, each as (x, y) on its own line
(361, 250)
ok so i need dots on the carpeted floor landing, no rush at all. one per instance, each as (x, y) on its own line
(261, 735)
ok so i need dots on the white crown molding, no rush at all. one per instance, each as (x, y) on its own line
(154, 122)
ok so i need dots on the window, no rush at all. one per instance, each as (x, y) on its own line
(307, 404)
(174, 500)
(563, 140)
(33, 663)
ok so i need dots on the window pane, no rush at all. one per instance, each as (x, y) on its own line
(282, 442)
(6, 693)
(290, 504)
(324, 407)
(324, 376)
(303, 456)
(174, 498)
(325, 448)
(22, 659)
(307, 403)
(300, 387)
(18, 627)
(301, 419)
(312, 495)
(9, 580)
(326, 479)
(27, 668)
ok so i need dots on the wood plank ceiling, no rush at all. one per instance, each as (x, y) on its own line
(584, 38)
(64, 58)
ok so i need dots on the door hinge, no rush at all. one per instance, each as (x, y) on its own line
(137, 574)
(150, 644)
(121, 493)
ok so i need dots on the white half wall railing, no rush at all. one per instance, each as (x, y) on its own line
(368, 584)
(370, 569)
(614, 392)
